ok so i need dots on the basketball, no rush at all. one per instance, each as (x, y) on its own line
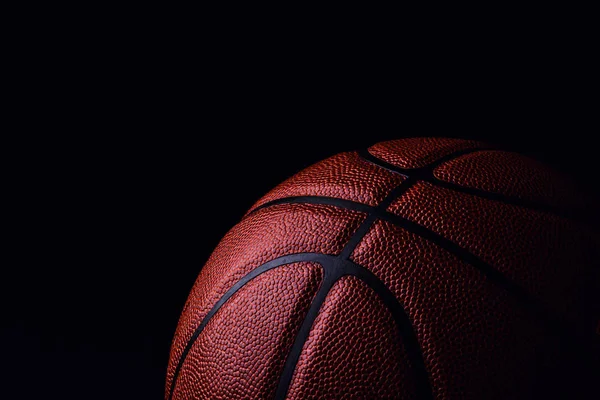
(425, 268)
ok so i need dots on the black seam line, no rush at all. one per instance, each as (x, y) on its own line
(294, 354)
(366, 225)
(324, 200)
(423, 386)
(422, 173)
(357, 237)
(412, 176)
(428, 176)
(409, 337)
(412, 227)
(335, 268)
(492, 274)
(277, 262)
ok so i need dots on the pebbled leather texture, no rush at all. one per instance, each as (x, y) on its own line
(471, 332)
(354, 350)
(511, 174)
(233, 358)
(345, 176)
(418, 152)
(539, 251)
(265, 235)
(464, 328)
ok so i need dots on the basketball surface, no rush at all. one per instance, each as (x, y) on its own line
(416, 269)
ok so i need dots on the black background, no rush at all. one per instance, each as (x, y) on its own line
(149, 157)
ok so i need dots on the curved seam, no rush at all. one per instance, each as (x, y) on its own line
(321, 200)
(291, 361)
(424, 173)
(424, 388)
(335, 268)
(494, 196)
(490, 272)
(414, 350)
(367, 156)
(277, 262)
